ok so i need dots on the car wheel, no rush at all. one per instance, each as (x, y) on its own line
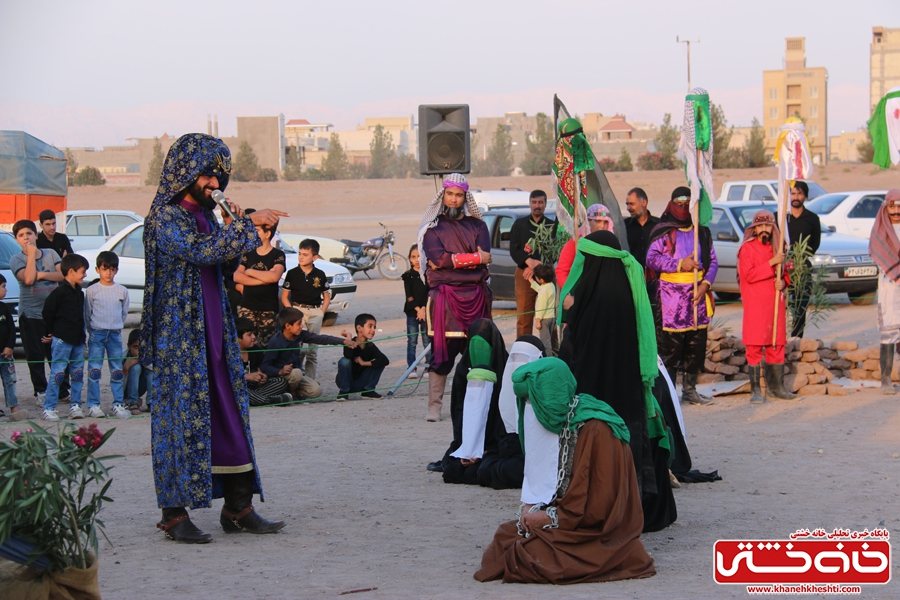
(728, 296)
(862, 298)
(329, 319)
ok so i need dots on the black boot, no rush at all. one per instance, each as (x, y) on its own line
(887, 366)
(775, 383)
(238, 513)
(177, 525)
(689, 390)
(756, 396)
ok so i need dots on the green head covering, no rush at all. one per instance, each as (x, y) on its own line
(878, 129)
(480, 354)
(550, 386)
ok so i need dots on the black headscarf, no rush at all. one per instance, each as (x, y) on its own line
(679, 217)
(605, 358)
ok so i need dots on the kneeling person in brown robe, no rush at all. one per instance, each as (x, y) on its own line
(581, 515)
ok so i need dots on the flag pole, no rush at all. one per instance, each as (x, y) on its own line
(782, 221)
(696, 217)
(576, 204)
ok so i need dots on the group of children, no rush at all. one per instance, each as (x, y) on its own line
(58, 319)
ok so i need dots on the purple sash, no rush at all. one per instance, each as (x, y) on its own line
(467, 304)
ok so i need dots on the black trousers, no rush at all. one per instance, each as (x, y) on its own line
(682, 350)
(36, 352)
(800, 314)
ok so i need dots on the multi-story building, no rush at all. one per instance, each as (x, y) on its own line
(884, 63)
(843, 148)
(797, 90)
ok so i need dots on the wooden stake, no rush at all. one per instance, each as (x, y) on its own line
(696, 217)
(782, 221)
(576, 205)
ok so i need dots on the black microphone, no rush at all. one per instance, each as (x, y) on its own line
(219, 199)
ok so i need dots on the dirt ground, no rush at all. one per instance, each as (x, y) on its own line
(362, 512)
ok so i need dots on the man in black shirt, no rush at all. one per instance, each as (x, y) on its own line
(361, 367)
(802, 224)
(306, 289)
(639, 225)
(526, 259)
(48, 238)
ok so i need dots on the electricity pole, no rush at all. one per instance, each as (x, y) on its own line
(688, 43)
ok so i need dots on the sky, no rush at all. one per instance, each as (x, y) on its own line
(97, 72)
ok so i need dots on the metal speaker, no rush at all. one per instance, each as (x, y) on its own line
(444, 142)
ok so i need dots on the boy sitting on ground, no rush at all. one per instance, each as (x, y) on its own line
(263, 389)
(138, 379)
(283, 358)
(362, 366)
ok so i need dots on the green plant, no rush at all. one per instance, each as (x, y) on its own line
(806, 279)
(154, 170)
(545, 243)
(246, 165)
(53, 488)
(89, 176)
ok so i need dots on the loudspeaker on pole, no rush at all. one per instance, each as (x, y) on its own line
(444, 140)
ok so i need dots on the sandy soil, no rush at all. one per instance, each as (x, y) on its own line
(363, 512)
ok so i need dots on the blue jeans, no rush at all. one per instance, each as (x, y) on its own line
(138, 382)
(8, 375)
(108, 341)
(367, 381)
(62, 355)
(413, 329)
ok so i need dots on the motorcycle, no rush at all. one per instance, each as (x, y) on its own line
(376, 252)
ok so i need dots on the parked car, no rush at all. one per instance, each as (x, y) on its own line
(499, 222)
(851, 213)
(328, 248)
(128, 244)
(506, 198)
(9, 247)
(91, 228)
(849, 267)
(759, 190)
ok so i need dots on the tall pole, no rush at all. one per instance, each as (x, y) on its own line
(688, 43)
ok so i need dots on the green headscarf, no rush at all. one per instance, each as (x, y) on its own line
(550, 386)
(646, 328)
(480, 354)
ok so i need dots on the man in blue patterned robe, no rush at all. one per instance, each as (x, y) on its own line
(200, 432)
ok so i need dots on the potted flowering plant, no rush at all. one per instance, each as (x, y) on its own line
(52, 488)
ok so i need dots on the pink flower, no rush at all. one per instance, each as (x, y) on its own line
(79, 441)
(96, 442)
(15, 436)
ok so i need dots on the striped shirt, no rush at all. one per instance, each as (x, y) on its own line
(106, 306)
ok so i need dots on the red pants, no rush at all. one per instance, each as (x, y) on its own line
(774, 356)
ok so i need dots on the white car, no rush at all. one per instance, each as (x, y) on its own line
(9, 247)
(128, 244)
(851, 213)
(91, 228)
(328, 248)
(759, 190)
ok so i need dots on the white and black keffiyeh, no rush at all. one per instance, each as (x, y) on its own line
(436, 208)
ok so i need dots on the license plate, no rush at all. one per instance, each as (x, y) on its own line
(860, 271)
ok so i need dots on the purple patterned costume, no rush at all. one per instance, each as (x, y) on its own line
(676, 298)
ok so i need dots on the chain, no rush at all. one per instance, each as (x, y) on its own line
(566, 436)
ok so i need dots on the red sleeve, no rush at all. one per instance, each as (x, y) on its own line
(564, 265)
(753, 264)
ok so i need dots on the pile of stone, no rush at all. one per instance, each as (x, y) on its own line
(810, 365)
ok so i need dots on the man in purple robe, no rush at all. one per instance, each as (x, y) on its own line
(454, 262)
(200, 424)
(680, 340)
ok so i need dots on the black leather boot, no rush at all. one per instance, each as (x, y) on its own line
(887, 366)
(689, 390)
(756, 396)
(238, 513)
(177, 526)
(775, 383)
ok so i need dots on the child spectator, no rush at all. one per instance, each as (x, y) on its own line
(138, 379)
(105, 310)
(306, 289)
(416, 298)
(263, 389)
(544, 283)
(48, 237)
(362, 365)
(38, 274)
(259, 274)
(64, 319)
(7, 366)
(283, 357)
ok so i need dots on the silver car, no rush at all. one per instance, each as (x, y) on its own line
(9, 247)
(849, 267)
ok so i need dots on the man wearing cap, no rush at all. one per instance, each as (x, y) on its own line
(598, 220)
(758, 262)
(527, 258)
(681, 340)
(802, 224)
(454, 262)
(884, 246)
